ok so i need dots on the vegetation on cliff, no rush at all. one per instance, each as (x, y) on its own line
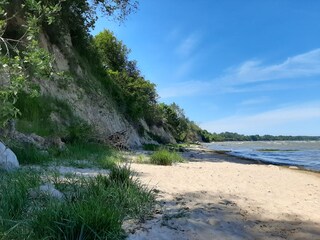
(23, 60)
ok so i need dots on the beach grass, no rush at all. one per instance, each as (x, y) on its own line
(76, 154)
(165, 157)
(93, 208)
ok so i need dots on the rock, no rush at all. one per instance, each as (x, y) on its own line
(293, 167)
(55, 142)
(8, 160)
(38, 141)
(162, 134)
(32, 139)
(47, 190)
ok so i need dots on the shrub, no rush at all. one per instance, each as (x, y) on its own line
(164, 157)
(121, 175)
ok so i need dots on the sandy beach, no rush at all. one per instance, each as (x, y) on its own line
(216, 196)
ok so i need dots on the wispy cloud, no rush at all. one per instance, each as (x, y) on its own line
(271, 86)
(184, 69)
(285, 120)
(253, 76)
(303, 65)
(254, 101)
(173, 34)
(188, 45)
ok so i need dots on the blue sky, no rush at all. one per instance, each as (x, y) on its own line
(248, 66)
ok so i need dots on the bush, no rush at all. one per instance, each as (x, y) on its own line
(164, 157)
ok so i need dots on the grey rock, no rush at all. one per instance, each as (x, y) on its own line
(46, 190)
(8, 160)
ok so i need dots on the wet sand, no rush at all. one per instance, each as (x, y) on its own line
(216, 196)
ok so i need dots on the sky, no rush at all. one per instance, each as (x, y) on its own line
(245, 66)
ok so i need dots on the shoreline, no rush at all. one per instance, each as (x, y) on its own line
(218, 196)
(261, 161)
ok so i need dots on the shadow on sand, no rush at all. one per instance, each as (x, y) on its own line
(219, 217)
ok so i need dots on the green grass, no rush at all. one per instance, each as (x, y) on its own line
(28, 154)
(165, 157)
(98, 154)
(94, 208)
(36, 114)
(77, 154)
(47, 116)
(151, 147)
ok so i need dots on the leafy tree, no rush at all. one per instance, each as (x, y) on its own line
(21, 57)
(140, 94)
(176, 120)
(113, 53)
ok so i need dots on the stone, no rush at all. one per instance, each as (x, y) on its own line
(48, 190)
(8, 160)
(32, 139)
(55, 142)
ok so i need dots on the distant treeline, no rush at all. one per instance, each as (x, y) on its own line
(229, 136)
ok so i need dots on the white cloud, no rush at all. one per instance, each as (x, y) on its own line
(291, 120)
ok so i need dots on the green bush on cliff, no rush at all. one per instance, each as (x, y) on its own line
(139, 95)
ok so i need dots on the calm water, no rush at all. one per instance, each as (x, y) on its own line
(304, 154)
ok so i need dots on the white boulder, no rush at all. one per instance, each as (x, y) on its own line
(8, 160)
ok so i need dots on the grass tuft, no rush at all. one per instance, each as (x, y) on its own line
(165, 157)
(94, 208)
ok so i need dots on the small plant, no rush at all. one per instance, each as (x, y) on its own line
(121, 175)
(164, 157)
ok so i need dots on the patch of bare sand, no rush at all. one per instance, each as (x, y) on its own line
(216, 196)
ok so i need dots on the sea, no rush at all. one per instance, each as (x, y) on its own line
(302, 154)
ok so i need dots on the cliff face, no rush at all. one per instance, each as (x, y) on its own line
(85, 96)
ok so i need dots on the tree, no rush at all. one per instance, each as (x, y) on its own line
(113, 53)
(176, 120)
(140, 94)
(21, 57)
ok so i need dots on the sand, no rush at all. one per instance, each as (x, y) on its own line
(216, 196)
